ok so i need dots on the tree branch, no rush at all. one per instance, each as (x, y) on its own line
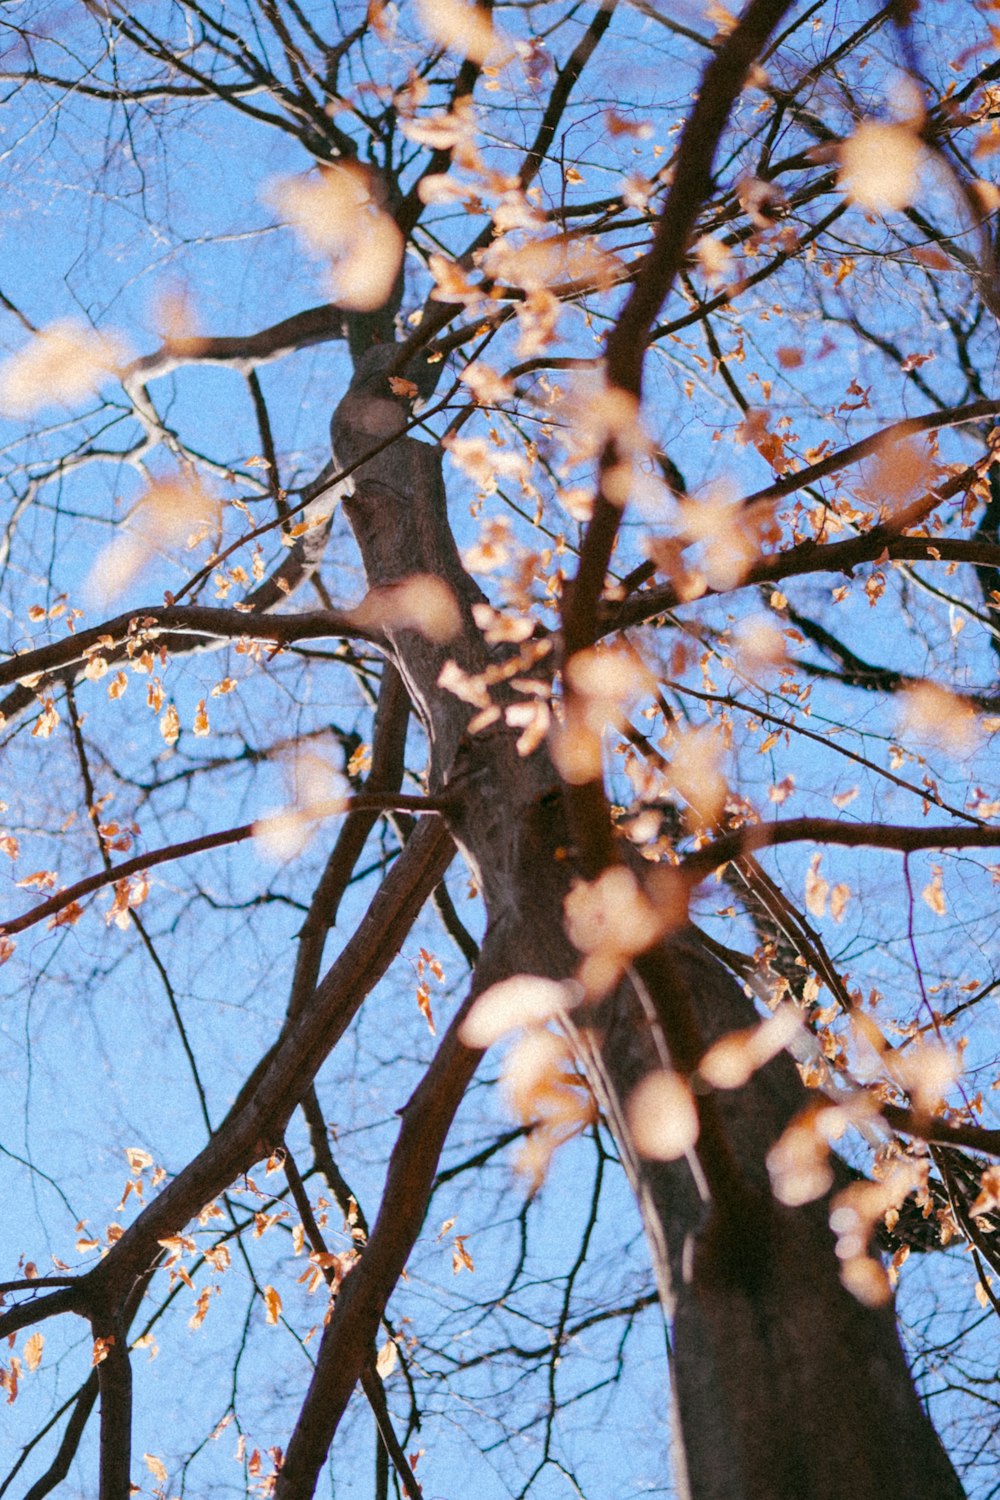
(905, 840)
(350, 1333)
(360, 802)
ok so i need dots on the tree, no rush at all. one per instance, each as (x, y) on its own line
(627, 326)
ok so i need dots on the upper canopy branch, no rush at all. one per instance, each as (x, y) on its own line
(882, 542)
(315, 325)
(200, 624)
(907, 840)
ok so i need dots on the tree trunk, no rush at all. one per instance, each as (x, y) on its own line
(784, 1385)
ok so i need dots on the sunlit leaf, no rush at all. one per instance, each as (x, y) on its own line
(662, 1117)
(62, 365)
(880, 166)
(523, 1000)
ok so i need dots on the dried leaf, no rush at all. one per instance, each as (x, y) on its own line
(421, 603)
(461, 1260)
(166, 517)
(662, 1117)
(156, 1467)
(937, 717)
(880, 165)
(466, 30)
(201, 725)
(816, 888)
(733, 1059)
(523, 1000)
(62, 364)
(338, 216)
(933, 892)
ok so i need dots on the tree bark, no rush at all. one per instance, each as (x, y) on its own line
(784, 1385)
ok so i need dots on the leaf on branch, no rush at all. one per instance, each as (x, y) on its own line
(422, 603)
(610, 920)
(499, 628)
(170, 725)
(337, 214)
(841, 800)
(33, 1350)
(9, 1379)
(47, 720)
(727, 535)
(662, 1117)
(880, 166)
(696, 775)
(156, 1467)
(839, 897)
(540, 264)
(451, 284)
(603, 682)
(441, 187)
(798, 1162)
(987, 1201)
(763, 202)
(62, 365)
(201, 725)
(854, 1216)
(401, 387)
(461, 1260)
(172, 514)
(817, 888)
(534, 720)
(487, 385)
(424, 1003)
(466, 30)
(759, 644)
(546, 1091)
(129, 893)
(465, 686)
(935, 260)
(201, 1306)
(937, 717)
(272, 1305)
(218, 1257)
(732, 1060)
(318, 791)
(898, 470)
(926, 1073)
(486, 464)
(523, 1000)
(454, 132)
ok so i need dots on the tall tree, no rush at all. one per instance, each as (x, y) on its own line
(586, 279)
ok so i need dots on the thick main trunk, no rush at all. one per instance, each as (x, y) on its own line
(784, 1385)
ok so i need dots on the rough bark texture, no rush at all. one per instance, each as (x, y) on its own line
(785, 1385)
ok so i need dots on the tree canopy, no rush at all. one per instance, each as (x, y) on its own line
(500, 575)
